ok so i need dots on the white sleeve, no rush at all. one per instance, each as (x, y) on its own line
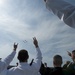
(39, 57)
(36, 66)
(63, 10)
(6, 61)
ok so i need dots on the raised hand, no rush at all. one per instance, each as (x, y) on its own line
(35, 42)
(69, 53)
(15, 46)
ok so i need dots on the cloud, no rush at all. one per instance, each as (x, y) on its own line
(22, 20)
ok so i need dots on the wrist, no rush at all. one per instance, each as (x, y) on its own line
(14, 49)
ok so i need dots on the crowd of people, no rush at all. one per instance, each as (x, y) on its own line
(67, 69)
(36, 67)
(63, 10)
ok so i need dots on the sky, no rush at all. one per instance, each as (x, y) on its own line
(22, 20)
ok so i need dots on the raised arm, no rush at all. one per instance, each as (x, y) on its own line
(8, 59)
(63, 10)
(37, 64)
(15, 46)
(35, 42)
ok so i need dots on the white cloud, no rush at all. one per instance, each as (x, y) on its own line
(18, 24)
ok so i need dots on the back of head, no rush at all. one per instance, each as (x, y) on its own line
(23, 55)
(73, 55)
(73, 51)
(57, 61)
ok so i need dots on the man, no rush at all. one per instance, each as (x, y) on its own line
(63, 10)
(70, 67)
(57, 62)
(4, 64)
(23, 67)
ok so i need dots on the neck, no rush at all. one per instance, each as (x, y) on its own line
(23, 61)
(57, 65)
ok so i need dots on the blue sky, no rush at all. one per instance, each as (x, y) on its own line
(23, 19)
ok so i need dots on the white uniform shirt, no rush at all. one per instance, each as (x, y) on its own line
(63, 10)
(25, 68)
(4, 64)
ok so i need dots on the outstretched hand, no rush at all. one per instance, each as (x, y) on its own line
(35, 42)
(15, 46)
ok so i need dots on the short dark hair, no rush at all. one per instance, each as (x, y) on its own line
(57, 59)
(73, 51)
(23, 55)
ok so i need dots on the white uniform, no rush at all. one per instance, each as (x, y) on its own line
(25, 68)
(4, 64)
(63, 10)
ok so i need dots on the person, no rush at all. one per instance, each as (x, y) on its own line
(63, 10)
(57, 63)
(5, 63)
(23, 67)
(45, 64)
(70, 67)
(42, 69)
(66, 64)
(31, 62)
